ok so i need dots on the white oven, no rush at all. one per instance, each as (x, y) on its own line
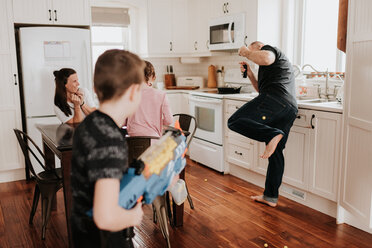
(206, 147)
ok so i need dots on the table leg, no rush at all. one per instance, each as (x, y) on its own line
(178, 210)
(50, 164)
(66, 170)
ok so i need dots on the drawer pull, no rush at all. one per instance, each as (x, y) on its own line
(298, 117)
(238, 153)
(236, 107)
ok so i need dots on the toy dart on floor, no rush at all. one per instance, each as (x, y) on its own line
(151, 174)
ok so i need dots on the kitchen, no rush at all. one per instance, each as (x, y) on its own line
(334, 175)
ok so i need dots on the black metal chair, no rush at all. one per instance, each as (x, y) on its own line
(136, 146)
(188, 122)
(48, 181)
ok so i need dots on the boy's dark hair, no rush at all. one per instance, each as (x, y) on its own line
(60, 96)
(149, 71)
(116, 70)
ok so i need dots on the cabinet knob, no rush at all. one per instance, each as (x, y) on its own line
(238, 153)
(50, 15)
(196, 45)
(55, 15)
(224, 8)
(236, 107)
(227, 10)
(15, 79)
(245, 41)
(170, 46)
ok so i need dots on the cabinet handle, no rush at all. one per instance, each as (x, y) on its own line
(15, 79)
(238, 153)
(207, 44)
(311, 121)
(245, 41)
(170, 46)
(55, 15)
(196, 45)
(236, 107)
(227, 5)
(50, 15)
(298, 116)
(224, 8)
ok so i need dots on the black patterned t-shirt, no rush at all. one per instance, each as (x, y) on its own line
(99, 151)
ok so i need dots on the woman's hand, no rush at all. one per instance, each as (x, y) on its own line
(76, 100)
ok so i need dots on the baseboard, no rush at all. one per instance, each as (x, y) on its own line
(12, 175)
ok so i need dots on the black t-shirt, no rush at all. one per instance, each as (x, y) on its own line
(278, 77)
(99, 151)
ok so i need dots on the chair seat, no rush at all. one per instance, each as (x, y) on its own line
(50, 176)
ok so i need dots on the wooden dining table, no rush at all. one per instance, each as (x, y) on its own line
(57, 141)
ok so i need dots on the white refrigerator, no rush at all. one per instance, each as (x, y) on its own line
(42, 51)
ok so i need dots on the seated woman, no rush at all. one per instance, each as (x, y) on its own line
(153, 111)
(71, 103)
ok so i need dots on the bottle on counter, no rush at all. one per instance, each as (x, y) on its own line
(219, 78)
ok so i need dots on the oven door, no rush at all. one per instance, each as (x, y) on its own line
(208, 114)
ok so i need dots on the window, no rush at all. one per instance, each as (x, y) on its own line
(110, 30)
(105, 38)
(312, 24)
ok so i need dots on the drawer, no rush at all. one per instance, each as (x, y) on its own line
(242, 156)
(231, 106)
(302, 119)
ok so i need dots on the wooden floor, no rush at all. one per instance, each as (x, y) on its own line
(224, 216)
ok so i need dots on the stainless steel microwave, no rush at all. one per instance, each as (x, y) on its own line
(227, 32)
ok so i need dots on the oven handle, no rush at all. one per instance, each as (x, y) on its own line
(197, 99)
(229, 31)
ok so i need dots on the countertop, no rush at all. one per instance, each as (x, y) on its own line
(334, 107)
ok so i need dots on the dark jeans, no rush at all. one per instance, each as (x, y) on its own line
(262, 119)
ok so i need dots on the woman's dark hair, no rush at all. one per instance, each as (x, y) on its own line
(116, 70)
(149, 71)
(60, 96)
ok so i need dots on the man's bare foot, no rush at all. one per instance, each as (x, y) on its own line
(271, 146)
(259, 198)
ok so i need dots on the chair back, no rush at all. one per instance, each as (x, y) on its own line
(137, 145)
(26, 144)
(187, 122)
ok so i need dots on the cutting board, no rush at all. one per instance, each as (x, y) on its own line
(182, 87)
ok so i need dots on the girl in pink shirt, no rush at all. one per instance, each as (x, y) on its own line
(154, 110)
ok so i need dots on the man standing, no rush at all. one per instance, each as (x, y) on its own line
(269, 117)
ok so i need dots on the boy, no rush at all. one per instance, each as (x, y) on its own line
(100, 155)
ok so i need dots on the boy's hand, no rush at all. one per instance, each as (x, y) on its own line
(137, 214)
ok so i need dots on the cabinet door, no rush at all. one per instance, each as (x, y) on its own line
(10, 113)
(199, 15)
(325, 152)
(261, 164)
(218, 8)
(34, 12)
(180, 36)
(296, 155)
(159, 26)
(185, 104)
(71, 12)
(175, 102)
(234, 6)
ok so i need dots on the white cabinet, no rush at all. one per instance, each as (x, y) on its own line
(199, 15)
(10, 113)
(225, 7)
(179, 102)
(325, 153)
(167, 27)
(56, 12)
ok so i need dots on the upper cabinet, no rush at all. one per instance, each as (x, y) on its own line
(199, 15)
(52, 12)
(226, 7)
(167, 27)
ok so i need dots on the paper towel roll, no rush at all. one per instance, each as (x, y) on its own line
(212, 82)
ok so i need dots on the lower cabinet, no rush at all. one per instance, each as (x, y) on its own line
(311, 154)
(178, 102)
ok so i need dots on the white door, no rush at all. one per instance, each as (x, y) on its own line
(217, 8)
(10, 113)
(45, 49)
(296, 155)
(199, 14)
(356, 187)
(71, 12)
(160, 26)
(35, 11)
(180, 34)
(324, 154)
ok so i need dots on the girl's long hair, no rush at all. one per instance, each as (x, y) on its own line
(60, 96)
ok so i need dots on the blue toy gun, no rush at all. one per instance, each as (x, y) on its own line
(153, 171)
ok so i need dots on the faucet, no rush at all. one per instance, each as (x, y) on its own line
(325, 73)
